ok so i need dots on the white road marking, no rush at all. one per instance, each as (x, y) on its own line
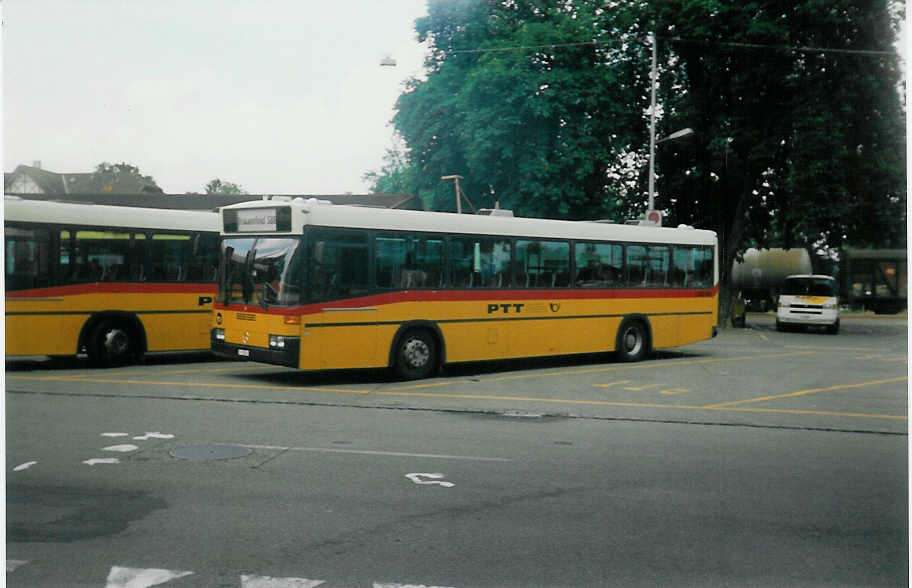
(24, 466)
(98, 460)
(435, 479)
(121, 448)
(141, 577)
(115, 434)
(12, 564)
(271, 582)
(378, 585)
(369, 452)
(154, 435)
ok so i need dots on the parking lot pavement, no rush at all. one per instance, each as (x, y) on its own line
(857, 380)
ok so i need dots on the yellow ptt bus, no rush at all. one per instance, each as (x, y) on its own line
(111, 281)
(312, 285)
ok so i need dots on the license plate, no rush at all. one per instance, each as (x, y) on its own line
(244, 352)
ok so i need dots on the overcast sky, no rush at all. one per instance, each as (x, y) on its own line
(279, 96)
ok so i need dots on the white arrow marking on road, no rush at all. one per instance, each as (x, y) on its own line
(12, 564)
(434, 479)
(98, 460)
(154, 435)
(141, 577)
(115, 434)
(271, 582)
(121, 448)
(24, 466)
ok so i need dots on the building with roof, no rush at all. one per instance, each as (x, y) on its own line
(32, 179)
(124, 189)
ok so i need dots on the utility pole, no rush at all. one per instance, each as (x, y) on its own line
(459, 193)
(652, 126)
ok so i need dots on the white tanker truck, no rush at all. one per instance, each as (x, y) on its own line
(761, 274)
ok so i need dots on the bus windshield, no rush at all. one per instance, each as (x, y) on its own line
(265, 271)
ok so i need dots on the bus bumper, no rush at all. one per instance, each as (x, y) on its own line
(287, 356)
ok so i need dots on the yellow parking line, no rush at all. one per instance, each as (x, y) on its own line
(244, 366)
(197, 370)
(445, 395)
(601, 370)
(191, 384)
(671, 391)
(806, 392)
(897, 417)
(611, 384)
(638, 404)
(822, 348)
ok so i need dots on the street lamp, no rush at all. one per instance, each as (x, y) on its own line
(653, 79)
(653, 142)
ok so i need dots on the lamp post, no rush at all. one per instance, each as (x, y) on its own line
(653, 82)
(652, 126)
(653, 142)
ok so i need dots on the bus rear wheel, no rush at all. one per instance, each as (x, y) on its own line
(113, 343)
(416, 355)
(632, 341)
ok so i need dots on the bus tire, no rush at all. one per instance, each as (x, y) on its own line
(113, 342)
(632, 340)
(833, 329)
(415, 355)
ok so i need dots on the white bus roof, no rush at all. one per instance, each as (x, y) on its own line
(321, 213)
(97, 215)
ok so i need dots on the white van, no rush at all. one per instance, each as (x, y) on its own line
(808, 300)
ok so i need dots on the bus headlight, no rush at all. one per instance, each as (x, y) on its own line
(829, 305)
(219, 334)
(279, 341)
(783, 304)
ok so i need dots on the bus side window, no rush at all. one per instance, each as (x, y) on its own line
(636, 263)
(170, 257)
(204, 257)
(461, 259)
(679, 258)
(658, 266)
(26, 258)
(599, 265)
(339, 264)
(702, 267)
(100, 256)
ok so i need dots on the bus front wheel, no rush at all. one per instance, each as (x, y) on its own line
(112, 343)
(632, 341)
(416, 355)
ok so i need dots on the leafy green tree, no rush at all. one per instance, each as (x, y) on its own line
(397, 176)
(536, 129)
(544, 107)
(217, 186)
(118, 175)
(801, 127)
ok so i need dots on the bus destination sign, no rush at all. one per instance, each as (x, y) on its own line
(258, 220)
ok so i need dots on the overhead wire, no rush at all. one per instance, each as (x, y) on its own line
(732, 44)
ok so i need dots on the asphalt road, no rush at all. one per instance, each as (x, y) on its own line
(758, 458)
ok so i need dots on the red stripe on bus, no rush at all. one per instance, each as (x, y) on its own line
(116, 288)
(473, 295)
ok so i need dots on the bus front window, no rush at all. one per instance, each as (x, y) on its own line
(264, 271)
